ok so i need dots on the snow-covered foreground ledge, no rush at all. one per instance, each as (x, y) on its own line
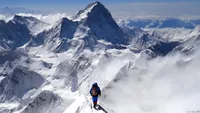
(75, 106)
(84, 105)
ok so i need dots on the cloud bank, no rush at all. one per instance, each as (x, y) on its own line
(164, 85)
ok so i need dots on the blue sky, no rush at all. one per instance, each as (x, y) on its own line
(154, 7)
(78, 2)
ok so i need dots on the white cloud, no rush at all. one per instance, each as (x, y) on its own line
(5, 18)
(2, 17)
(164, 85)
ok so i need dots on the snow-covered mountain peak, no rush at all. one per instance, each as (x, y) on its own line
(93, 23)
(83, 14)
(94, 4)
(93, 9)
(26, 20)
(99, 20)
(20, 19)
(33, 24)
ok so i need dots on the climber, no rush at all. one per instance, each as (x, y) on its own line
(95, 92)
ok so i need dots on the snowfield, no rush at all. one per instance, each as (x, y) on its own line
(48, 65)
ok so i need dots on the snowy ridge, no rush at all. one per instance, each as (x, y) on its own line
(34, 25)
(191, 43)
(84, 105)
(83, 14)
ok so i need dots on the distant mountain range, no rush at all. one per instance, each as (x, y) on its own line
(16, 10)
(160, 23)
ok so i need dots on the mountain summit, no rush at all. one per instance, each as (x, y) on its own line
(101, 23)
(93, 8)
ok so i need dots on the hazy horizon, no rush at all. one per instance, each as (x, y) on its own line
(174, 8)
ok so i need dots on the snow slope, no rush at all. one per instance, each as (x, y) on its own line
(84, 105)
